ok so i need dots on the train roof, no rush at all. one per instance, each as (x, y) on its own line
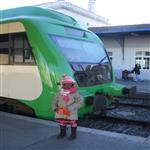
(34, 12)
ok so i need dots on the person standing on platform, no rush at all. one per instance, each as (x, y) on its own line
(66, 105)
(137, 72)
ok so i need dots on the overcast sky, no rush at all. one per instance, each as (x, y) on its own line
(118, 12)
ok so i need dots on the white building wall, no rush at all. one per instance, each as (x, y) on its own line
(112, 45)
(83, 20)
(134, 44)
(131, 45)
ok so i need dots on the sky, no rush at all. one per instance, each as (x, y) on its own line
(119, 12)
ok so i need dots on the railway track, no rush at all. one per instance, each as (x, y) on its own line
(117, 125)
(131, 116)
(130, 113)
(145, 96)
(137, 101)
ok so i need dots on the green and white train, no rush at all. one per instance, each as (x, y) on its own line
(37, 46)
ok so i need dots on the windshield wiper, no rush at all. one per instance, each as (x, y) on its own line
(102, 59)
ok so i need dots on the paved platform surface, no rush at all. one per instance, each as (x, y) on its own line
(25, 133)
(142, 86)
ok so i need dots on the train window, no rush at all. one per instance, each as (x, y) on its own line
(15, 49)
(4, 57)
(28, 55)
(81, 51)
(22, 51)
(18, 55)
(18, 49)
(4, 51)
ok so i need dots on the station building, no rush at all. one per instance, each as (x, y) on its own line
(126, 46)
(86, 18)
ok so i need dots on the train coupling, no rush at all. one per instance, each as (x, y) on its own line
(129, 90)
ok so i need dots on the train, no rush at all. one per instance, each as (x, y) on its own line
(38, 46)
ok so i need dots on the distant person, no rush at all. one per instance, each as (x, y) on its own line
(136, 71)
(125, 74)
(66, 105)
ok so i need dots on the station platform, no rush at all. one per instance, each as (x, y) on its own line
(142, 86)
(26, 133)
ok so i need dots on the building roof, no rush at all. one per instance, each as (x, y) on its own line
(71, 7)
(122, 30)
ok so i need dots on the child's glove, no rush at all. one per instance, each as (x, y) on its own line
(63, 111)
(66, 112)
(60, 111)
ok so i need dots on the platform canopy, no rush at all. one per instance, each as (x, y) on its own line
(135, 30)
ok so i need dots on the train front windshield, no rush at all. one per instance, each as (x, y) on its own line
(88, 60)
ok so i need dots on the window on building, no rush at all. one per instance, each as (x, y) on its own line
(15, 49)
(110, 54)
(143, 58)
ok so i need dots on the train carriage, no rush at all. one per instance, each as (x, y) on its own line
(37, 46)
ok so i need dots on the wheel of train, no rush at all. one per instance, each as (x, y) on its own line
(100, 104)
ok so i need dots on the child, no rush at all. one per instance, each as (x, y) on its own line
(66, 105)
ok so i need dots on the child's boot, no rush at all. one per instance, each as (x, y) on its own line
(73, 133)
(62, 132)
